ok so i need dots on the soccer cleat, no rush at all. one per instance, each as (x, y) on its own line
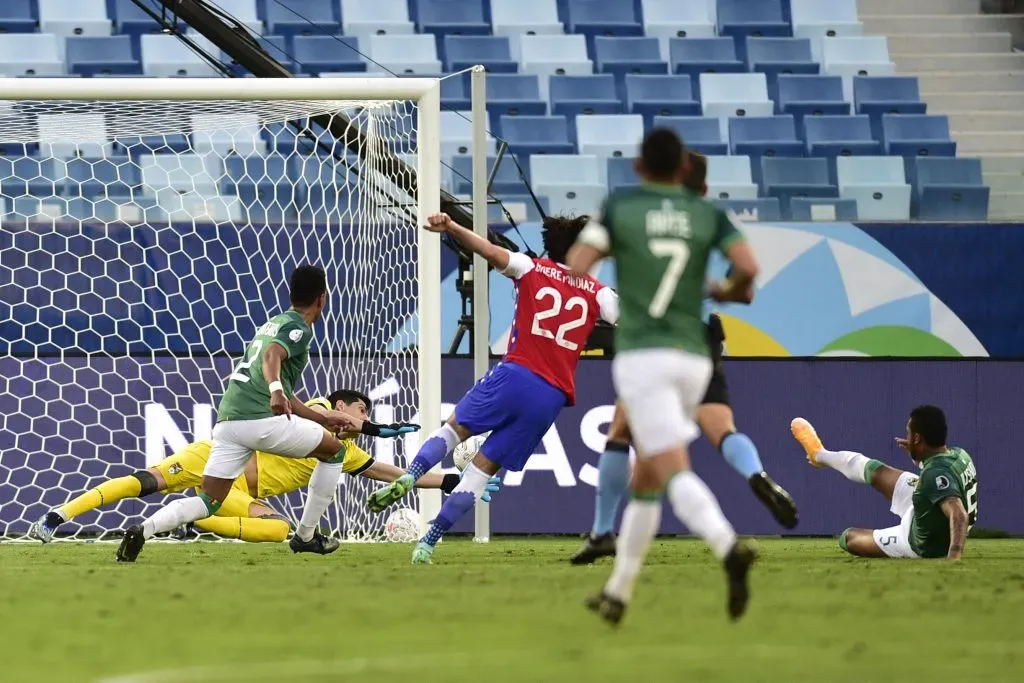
(776, 499)
(605, 606)
(381, 499)
(804, 432)
(594, 547)
(737, 566)
(319, 544)
(131, 544)
(422, 552)
(45, 527)
(185, 532)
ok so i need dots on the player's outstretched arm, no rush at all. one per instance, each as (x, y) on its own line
(496, 256)
(954, 510)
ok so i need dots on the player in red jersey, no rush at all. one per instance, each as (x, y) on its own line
(519, 399)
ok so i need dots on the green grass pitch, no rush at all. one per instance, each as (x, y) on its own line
(507, 611)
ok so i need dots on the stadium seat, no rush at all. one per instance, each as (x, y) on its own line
(804, 96)
(576, 200)
(696, 56)
(560, 55)
(492, 52)
(621, 172)
(71, 135)
(457, 134)
(381, 17)
(622, 56)
(78, 18)
(730, 178)
(761, 209)
(317, 54)
(27, 176)
(92, 176)
(593, 18)
(416, 54)
(727, 95)
(19, 16)
(949, 189)
(786, 178)
(276, 46)
(227, 134)
(816, 19)
(826, 209)
(165, 55)
(302, 17)
(878, 184)
(506, 180)
(572, 183)
(442, 18)
(879, 95)
(740, 18)
(911, 135)
(31, 54)
(573, 95)
(262, 185)
(528, 135)
(770, 136)
(609, 136)
(181, 173)
(777, 56)
(525, 17)
(91, 55)
(514, 95)
(652, 96)
(840, 136)
(700, 134)
(129, 18)
(855, 56)
(666, 19)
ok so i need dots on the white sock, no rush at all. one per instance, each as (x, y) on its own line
(849, 464)
(698, 509)
(174, 514)
(323, 484)
(640, 523)
(473, 480)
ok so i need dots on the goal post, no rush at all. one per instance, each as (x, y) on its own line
(151, 226)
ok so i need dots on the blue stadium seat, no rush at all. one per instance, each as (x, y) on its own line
(762, 209)
(700, 134)
(622, 56)
(878, 95)
(165, 55)
(492, 52)
(514, 95)
(527, 135)
(576, 200)
(621, 172)
(877, 184)
(816, 19)
(525, 17)
(856, 56)
(696, 56)
(317, 54)
(457, 134)
(18, 16)
(566, 170)
(137, 147)
(822, 209)
(950, 189)
(69, 135)
(730, 178)
(666, 19)
(416, 54)
(31, 54)
(27, 176)
(609, 135)
(89, 177)
(262, 185)
(79, 18)
(521, 206)
(91, 55)
(506, 180)
(227, 134)
(786, 178)
(560, 55)
(778, 56)
(727, 95)
(180, 173)
(758, 136)
(593, 18)
(804, 96)
(302, 17)
(652, 96)
(840, 136)
(451, 17)
(572, 95)
(131, 19)
(380, 17)
(911, 135)
(739, 18)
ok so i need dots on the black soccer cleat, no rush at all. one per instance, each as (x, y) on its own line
(131, 544)
(605, 606)
(737, 566)
(594, 548)
(319, 544)
(776, 499)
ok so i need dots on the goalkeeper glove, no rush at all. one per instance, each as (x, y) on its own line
(388, 431)
(450, 481)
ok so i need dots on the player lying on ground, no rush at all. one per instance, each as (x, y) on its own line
(519, 399)
(661, 235)
(716, 421)
(936, 506)
(243, 515)
(258, 412)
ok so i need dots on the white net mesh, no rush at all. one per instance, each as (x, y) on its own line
(141, 245)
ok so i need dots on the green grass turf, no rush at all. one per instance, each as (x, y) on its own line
(70, 613)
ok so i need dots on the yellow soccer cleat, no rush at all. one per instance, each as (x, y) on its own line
(803, 431)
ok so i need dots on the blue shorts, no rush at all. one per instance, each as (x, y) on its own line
(516, 406)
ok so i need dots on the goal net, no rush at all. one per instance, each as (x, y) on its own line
(144, 240)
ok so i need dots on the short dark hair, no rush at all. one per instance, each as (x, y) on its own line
(662, 154)
(348, 397)
(697, 175)
(930, 423)
(307, 284)
(559, 233)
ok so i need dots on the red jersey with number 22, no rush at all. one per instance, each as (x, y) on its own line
(555, 313)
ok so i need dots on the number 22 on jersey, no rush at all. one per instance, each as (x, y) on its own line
(576, 303)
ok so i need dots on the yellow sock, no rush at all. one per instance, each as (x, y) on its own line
(106, 493)
(253, 530)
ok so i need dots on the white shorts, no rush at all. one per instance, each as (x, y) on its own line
(234, 442)
(661, 389)
(895, 541)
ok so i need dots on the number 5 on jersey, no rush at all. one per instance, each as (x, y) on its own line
(678, 253)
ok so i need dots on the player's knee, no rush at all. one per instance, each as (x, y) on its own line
(147, 482)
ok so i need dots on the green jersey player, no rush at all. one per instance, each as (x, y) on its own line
(259, 412)
(937, 506)
(661, 235)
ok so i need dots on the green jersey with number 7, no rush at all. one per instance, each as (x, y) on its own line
(661, 237)
(247, 396)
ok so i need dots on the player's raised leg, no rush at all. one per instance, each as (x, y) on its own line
(856, 467)
(438, 445)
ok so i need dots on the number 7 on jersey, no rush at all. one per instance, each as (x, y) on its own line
(678, 253)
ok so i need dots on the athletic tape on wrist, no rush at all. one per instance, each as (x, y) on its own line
(276, 386)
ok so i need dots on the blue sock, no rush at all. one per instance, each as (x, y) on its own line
(741, 453)
(612, 481)
(456, 505)
(433, 450)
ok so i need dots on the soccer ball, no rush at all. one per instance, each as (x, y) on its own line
(403, 526)
(467, 450)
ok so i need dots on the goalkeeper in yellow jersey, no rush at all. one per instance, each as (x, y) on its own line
(243, 514)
